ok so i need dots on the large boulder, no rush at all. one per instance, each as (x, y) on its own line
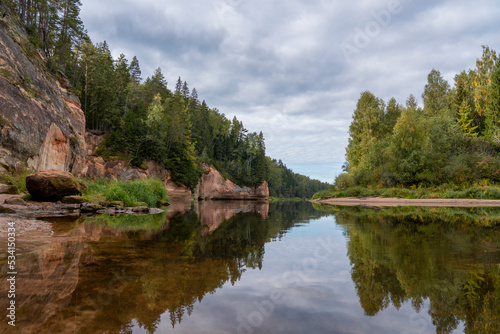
(52, 185)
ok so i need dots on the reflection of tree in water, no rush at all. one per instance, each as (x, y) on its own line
(416, 257)
(137, 277)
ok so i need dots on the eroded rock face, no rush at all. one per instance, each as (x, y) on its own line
(41, 122)
(214, 186)
(177, 191)
(53, 185)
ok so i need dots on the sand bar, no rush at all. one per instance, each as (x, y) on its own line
(392, 201)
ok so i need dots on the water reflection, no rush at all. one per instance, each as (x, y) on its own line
(415, 255)
(213, 267)
(104, 274)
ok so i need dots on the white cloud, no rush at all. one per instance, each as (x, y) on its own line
(278, 66)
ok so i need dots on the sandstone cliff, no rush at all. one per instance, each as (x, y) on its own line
(42, 126)
(41, 123)
(214, 186)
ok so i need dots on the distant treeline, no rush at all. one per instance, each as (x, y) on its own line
(454, 139)
(143, 119)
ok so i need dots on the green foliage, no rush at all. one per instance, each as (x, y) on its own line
(454, 139)
(434, 94)
(344, 181)
(144, 120)
(17, 178)
(474, 191)
(465, 121)
(397, 256)
(131, 193)
(285, 183)
(131, 222)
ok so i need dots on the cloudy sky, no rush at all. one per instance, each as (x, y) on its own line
(294, 69)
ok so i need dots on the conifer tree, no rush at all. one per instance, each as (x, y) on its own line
(465, 121)
(135, 70)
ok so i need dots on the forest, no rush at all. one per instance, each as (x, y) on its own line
(143, 119)
(454, 139)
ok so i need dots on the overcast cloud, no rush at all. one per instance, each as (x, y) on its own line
(294, 69)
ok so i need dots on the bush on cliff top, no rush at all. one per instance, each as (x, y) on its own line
(131, 193)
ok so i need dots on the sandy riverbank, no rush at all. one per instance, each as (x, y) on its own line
(392, 202)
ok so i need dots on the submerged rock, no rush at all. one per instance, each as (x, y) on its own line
(53, 185)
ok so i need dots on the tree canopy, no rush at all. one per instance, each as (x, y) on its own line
(455, 138)
(142, 119)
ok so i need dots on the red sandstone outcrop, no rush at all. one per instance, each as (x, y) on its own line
(211, 186)
(214, 186)
(41, 122)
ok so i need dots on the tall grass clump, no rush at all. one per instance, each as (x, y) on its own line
(131, 193)
(17, 179)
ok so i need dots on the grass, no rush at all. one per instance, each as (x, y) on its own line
(131, 222)
(131, 193)
(17, 179)
(286, 199)
(475, 191)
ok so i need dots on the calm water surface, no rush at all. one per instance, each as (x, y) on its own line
(248, 267)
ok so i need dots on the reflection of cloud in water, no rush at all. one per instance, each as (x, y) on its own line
(100, 276)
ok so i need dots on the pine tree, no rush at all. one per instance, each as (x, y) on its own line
(465, 121)
(71, 29)
(178, 86)
(185, 91)
(135, 70)
(194, 95)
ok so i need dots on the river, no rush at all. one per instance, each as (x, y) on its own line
(255, 267)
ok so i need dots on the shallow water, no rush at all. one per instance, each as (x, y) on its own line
(249, 267)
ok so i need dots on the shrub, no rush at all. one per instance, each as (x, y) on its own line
(492, 193)
(131, 193)
(344, 181)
